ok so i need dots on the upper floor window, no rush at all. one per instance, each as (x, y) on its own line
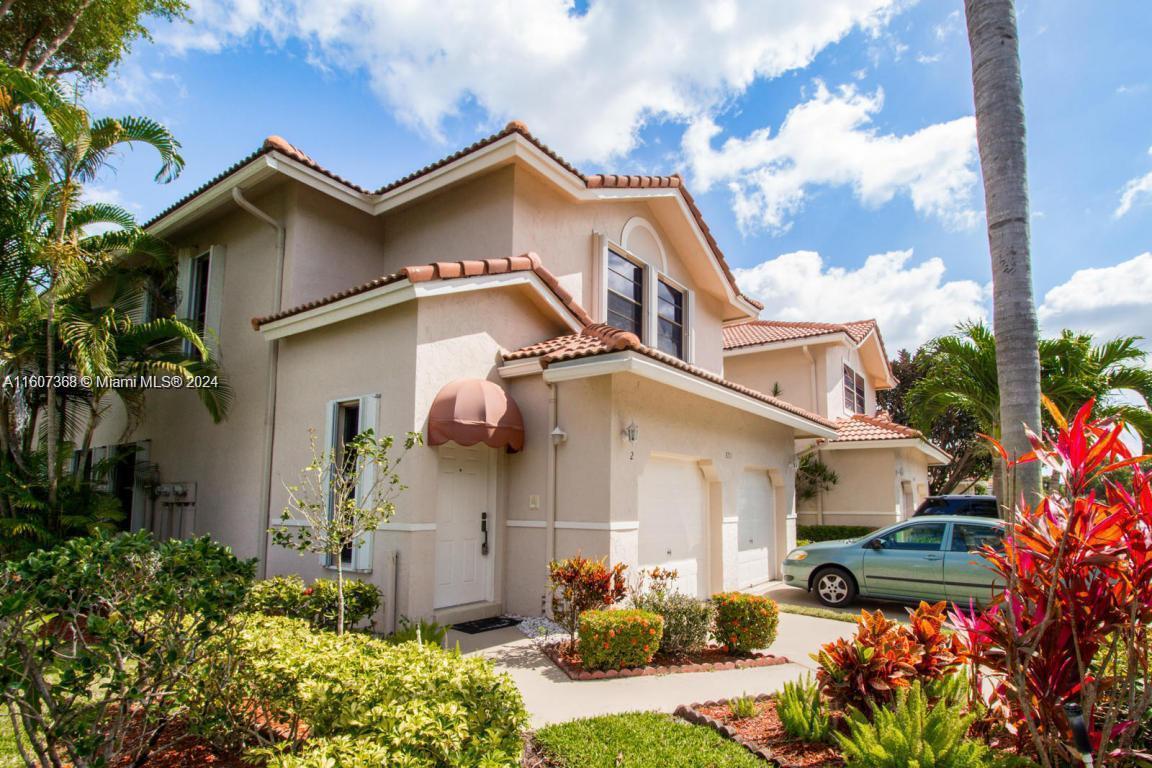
(198, 291)
(625, 294)
(347, 428)
(670, 323)
(853, 391)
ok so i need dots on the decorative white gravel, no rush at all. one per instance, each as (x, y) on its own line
(541, 629)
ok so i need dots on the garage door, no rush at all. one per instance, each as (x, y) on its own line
(673, 503)
(754, 531)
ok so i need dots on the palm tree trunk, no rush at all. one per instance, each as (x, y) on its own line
(50, 406)
(1000, 135)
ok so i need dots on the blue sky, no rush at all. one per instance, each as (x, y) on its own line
(830, 144)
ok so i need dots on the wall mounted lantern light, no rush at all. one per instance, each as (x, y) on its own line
(631, 432)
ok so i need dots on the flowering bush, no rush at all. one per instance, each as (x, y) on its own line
(317, 603)
(687, 621)
(1078, 570)
(579, 584)
(617, 639)
(745, 622)
(885, 656)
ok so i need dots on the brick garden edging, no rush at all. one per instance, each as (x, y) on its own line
(690, 714)
(578, 673)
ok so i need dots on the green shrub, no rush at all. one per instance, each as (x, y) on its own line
(617, 639)
(418, 631)
(687, 621)
(102, 626)
(316, 603)
(909, 733)
(422, 705)
(802, 711)
(831, 532)
(745, 622)
(579, 584)
(744, 707)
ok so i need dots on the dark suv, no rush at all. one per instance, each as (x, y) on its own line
(970, 506)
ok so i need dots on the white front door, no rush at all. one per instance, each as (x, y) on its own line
(754, 530)
(673, 505)
(463, 571)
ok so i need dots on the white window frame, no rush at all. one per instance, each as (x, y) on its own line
(652, 275)
(369, 419)
(856, 377)
(213, 298)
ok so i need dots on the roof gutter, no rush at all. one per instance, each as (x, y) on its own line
(270, 385)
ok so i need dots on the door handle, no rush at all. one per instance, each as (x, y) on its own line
(484, 530)
(933, 557)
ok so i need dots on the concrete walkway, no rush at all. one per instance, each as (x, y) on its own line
(551, 697)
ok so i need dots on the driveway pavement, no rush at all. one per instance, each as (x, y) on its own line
(552, 697)
(785, 595)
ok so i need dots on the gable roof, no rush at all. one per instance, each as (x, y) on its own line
(276, 144)
(600, 339)
(443, 270)
(757, 332)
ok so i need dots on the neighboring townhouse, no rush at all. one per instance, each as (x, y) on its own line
(559, 340)
(835, 370)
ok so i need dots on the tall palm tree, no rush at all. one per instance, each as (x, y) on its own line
(62, 152)
(999, 100)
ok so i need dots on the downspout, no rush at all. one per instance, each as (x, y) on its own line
(270, 393)
(550, 480)
(816, 409)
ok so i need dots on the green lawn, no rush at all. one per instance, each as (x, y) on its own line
(819, 613)
(640, 740)
(9, 757)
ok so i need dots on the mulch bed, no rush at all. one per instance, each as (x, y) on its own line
(711, 659)
(179, 749)
(762, 735)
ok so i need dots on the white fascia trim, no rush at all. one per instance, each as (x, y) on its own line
(258, 170)
(614, 525)
(525, 524)
(889, 377)
(631, 362)
(404, 290)
(319, 181)
(931, 451)
(362, 303)
(806, 341)
(514, 368)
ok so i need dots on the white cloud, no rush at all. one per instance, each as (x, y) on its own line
(830, 140)
(587, 82)
(912, 302)
(1135, 191)
(1106, 301)
(134, 88)
(951, 25)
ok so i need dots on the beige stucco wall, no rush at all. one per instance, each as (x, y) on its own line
(869, 491)
(223, 460)
(799, 378)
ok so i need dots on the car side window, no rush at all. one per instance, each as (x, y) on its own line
(923, 537)
(933, 507)
(970, 538)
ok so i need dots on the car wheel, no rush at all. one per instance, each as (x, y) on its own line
(834, 587)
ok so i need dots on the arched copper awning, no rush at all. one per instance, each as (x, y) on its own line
(471, 411)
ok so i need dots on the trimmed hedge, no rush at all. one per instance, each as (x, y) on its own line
(356, 697)
(745, 622)
(814, 533)
(687, 621)
(316, 603)
(617, 639)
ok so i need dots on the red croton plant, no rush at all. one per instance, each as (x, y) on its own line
(1072, 625)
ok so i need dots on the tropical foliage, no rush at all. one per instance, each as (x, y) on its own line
(618, 639)
(802, 711)
(959, 381)
(316, 603)
(74, 275)
(409, 704)
(1073, 625)
(813, 477)
(579, 584)
(96, 633)
(744, 622)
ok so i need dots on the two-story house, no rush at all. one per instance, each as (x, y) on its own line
(558, 338)
(834, 370)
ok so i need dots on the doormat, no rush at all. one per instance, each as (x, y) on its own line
(485, 625)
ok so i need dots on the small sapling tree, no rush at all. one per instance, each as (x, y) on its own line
(342, 496)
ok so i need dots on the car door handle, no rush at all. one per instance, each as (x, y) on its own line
(933, 557)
